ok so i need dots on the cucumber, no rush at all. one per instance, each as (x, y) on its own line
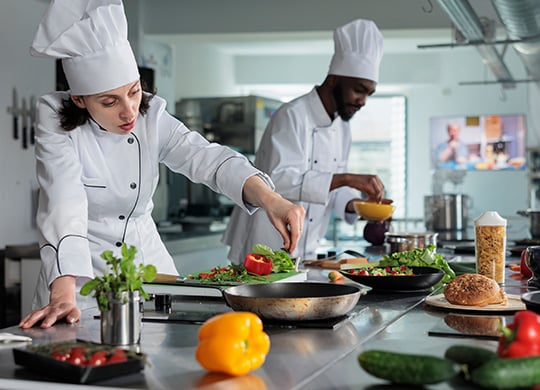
(470, 356)
(407, 369)
(511, 373)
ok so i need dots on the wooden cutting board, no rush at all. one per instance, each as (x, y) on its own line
(335, 264)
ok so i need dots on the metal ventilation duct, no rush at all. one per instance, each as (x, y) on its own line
(521, 19)
(468, 23)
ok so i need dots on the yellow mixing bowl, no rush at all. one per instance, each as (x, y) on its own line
(372, 211)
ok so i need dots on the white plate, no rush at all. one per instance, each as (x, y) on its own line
(513, 303)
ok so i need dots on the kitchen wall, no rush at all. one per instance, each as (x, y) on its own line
(30, 76)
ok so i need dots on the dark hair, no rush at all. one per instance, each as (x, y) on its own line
(71, 116)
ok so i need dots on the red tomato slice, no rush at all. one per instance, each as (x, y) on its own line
(257, 264)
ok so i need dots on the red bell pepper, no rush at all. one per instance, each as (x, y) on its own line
(522, 337)
(257, 264)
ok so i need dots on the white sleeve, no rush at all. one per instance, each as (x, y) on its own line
(62, 211)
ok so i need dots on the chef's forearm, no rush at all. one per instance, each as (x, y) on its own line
(339, 180)
(257, 193)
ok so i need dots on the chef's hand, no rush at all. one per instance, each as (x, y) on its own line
(62, 304)
(287, 217)
(371, 185)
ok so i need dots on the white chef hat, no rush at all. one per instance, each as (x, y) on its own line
(90, 36)
(358, 49)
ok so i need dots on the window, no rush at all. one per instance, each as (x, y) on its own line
(378, 145)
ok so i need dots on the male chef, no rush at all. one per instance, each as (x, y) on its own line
(305, 148)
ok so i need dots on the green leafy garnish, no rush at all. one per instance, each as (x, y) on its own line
(420, 257)
(281, 260)
(121, 275)
(229, 273)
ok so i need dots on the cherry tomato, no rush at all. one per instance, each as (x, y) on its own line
(60, 356)
(118, 356)
(77, 356)
(98, 358)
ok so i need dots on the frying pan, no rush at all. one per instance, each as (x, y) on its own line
(293, 301)
(287, 301)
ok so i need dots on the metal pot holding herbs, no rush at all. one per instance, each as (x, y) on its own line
(400, 242)
(534, 221)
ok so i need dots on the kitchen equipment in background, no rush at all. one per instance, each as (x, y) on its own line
(531, 300)
(237, 122)
(14, 111)
(25, 124)
(534, 221)
(32, 115)
(446, 212)
(401, 242)
(532, 259)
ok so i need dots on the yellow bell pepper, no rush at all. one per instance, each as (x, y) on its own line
(233, 343)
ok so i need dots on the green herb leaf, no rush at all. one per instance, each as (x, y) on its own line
(281, 260)
(121, 274)
(420, 257)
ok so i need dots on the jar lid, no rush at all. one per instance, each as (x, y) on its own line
(490, 218)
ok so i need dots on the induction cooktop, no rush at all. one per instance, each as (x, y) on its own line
(199, 317)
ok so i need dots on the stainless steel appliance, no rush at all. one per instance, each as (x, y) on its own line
(236, 121)
(534, 221)
(446, 212)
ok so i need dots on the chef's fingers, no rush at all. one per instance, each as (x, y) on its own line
(51, 314)
(70, 313)
(373, 187)
(296, 226)
(287, 218)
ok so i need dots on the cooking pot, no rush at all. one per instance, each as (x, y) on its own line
(534, 221)
(446, 212)
(400, 242)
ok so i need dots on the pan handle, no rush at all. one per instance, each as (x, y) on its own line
(353, 253)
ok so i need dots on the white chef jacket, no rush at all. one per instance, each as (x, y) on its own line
(96, 188)
(301, 149)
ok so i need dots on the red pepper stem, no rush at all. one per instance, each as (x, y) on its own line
(508, 334)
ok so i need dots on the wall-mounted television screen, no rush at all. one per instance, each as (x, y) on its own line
(481, 142)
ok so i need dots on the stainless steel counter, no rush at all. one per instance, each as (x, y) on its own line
(298, 359)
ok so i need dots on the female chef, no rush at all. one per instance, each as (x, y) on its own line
(98, 149)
